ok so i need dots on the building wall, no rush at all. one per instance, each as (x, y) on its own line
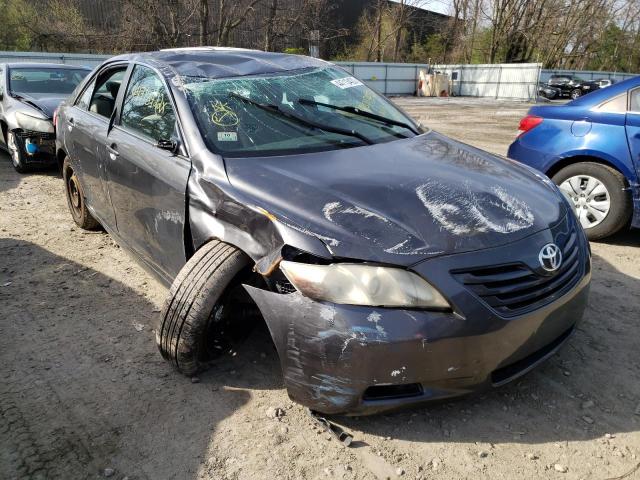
(106, 16)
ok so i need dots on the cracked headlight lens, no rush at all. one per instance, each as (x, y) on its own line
(27, 122)
(358, 284)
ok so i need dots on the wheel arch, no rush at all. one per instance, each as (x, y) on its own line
(566, 161)
(60, 157)
(4, 129)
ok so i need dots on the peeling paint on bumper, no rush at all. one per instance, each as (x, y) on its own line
(331, 354)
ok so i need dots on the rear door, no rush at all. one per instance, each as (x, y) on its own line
(633, 128)
(148, 183)
(87, 124)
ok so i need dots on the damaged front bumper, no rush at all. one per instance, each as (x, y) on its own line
(38, 147)
(363, 360)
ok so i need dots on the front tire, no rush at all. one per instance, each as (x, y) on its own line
(16, 150)
(599, 196)
(576, 93)
(75, 199)
(192, 322)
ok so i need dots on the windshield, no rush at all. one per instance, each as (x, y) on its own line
(305, 110)
(52, 81)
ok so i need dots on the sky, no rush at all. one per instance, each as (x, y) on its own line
(440, 6)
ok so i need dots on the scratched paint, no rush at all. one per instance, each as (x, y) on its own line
(332, 209)
(375, 317)
(462, 211)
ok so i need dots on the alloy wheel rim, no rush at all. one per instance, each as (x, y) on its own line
(590, 198)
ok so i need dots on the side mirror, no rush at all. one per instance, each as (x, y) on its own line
(170, 145)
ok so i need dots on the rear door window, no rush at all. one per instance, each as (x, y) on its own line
(147, 108)
(106, 90)
(634, 101)
(617, 104)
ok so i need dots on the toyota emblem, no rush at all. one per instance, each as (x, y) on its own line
(550, 257)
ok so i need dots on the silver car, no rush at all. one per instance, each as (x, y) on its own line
(29, 95)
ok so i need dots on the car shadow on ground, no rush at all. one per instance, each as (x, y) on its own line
(83, 387)
(625, 238)
(585, 391)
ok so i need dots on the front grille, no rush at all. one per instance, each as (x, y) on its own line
(285, 286)
(392, 392)
(509, 372)
(33, 134)
(515, 288)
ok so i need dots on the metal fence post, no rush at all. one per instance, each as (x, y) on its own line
(535, 87)
(386, 77)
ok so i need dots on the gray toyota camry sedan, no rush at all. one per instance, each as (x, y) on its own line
(29, 95)
(391, 264)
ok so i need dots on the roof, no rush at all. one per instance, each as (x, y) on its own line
(44, 65)
(603, 94)
(220, 62)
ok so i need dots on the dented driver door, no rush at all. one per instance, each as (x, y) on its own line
(148, 174)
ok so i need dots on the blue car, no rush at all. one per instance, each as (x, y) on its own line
(590, 148)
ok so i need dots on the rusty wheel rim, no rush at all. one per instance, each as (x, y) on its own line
(74, 193)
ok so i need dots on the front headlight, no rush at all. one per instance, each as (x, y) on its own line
(356, 284)
(27, 122)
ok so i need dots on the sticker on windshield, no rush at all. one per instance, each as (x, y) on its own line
(227, 137)
(346, 82)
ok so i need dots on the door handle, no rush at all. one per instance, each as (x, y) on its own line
(113, 153)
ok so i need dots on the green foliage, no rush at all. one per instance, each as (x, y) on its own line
(432, 49)
(295, 51)
(367, 48)
(616, 51)
(14, 34)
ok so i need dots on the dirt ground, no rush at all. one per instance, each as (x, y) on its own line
(85, 394)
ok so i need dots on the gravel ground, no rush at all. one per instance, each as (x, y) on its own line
(84, 392)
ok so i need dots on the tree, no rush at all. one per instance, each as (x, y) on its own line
(231, 17)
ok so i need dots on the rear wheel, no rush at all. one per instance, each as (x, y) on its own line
(16, 150)
(576, 93)
(599, 197)
(205, 304)
(75, 199)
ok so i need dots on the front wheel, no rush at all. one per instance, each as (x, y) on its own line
(576, 93)
(16, 150)
(205, 302)
(599, 196)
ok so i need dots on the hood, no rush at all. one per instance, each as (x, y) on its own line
(45, 103)
(401, 201)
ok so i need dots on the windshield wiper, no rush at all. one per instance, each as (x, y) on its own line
(275, 109)
(361, 113)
